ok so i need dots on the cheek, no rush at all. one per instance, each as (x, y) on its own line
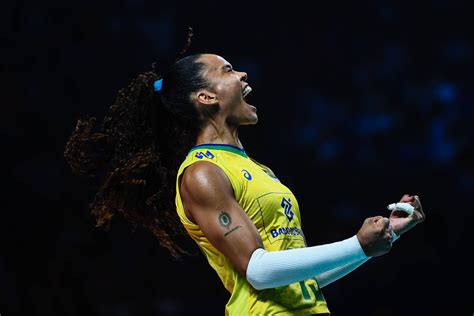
(228, 93)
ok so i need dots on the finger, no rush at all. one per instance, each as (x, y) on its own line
(389, 240)
(383, 224)
(386, 223)
(389, 232)
(389, 228)
(376, 219)
(418, 206)
(407, 198)
(404, 207)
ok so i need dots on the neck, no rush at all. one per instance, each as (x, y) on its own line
(217, 131)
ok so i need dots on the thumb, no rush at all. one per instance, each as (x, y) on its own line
(383, 222)
(376, 219)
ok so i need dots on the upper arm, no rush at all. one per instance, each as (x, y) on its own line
(208, 196)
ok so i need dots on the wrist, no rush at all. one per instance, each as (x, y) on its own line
(362, 245)
(404, 228)
(395, 236)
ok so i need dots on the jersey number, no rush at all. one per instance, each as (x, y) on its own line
(318, 294)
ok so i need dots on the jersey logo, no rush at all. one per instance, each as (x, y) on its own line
(286, 204)
(247, 174)
(201, 155)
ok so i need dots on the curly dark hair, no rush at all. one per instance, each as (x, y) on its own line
(136, 153)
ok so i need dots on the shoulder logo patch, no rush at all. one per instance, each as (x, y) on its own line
(246, 174)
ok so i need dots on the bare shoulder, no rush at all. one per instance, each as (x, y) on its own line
(207, 194)
(204, 182)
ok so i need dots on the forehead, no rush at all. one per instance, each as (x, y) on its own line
(213, 62)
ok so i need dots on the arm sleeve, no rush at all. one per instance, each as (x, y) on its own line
(277, 268)
(328, 277)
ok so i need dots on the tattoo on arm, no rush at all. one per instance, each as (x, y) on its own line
(232, 230)
(225, 221)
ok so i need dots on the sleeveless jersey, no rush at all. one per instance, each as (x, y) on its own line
(274, 210)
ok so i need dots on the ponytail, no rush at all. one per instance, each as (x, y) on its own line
(134, 155)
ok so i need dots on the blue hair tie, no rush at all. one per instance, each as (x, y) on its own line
(158, 85)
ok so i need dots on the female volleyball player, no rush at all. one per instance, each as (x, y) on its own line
(169, 146)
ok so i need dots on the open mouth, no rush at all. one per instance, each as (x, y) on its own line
(246, 91)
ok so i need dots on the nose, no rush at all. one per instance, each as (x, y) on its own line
(243, 76)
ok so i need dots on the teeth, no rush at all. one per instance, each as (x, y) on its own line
(246, 91)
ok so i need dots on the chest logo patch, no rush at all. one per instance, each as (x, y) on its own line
(286, 204)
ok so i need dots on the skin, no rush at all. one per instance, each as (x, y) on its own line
(226, 91)
(206, 191)
(401, 222)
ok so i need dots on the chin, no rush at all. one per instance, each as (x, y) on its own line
(253, 114)
(247, 115)
(256, 120)
(250, 121)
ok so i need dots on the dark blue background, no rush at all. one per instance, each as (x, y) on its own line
(358, 104)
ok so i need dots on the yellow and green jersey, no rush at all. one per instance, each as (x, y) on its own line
(274, 210)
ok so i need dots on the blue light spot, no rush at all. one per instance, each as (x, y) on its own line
(441, 151)
(329, 149)
(374, 124)
(307, 134)
(445, 92)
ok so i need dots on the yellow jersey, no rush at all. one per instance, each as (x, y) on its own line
(274, 210)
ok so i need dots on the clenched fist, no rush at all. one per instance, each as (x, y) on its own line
(375, 236)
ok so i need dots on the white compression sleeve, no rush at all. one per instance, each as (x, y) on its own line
(278, 268)
(328, 277)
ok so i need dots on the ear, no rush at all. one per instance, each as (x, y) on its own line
(206, 97)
